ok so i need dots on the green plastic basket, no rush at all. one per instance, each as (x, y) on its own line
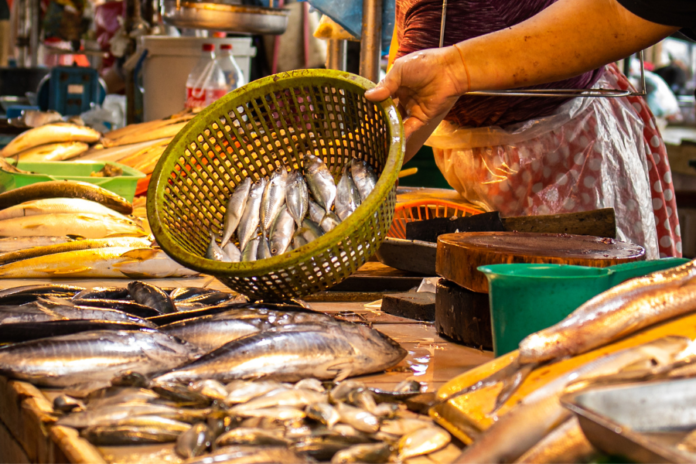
(45, 171)
(251, 131)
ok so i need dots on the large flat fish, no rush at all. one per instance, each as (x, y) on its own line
(98, 355)
(292, 353)
(622, 310)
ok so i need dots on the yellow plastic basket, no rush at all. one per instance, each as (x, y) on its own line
(271, 122)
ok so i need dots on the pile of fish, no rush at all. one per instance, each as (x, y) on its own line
(52, 139)
(276, 215)
(212, 421)
(76, 229)
(539, 429)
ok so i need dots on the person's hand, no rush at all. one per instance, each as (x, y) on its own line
(426, 85)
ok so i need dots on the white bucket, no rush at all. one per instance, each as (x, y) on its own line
(167, 66)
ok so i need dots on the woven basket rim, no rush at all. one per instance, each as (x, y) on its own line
(385, 183)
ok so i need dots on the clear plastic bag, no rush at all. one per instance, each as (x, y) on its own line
(590, 154)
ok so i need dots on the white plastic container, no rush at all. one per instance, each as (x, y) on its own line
(234, 75)
(168, 64)
(206, 82)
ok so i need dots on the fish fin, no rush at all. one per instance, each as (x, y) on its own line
(511, 384)
(140, 254)
(140, 233)
(75, 237)
(343, 368)
(33, 226)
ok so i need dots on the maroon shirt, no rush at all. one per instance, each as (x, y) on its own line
(418, 24)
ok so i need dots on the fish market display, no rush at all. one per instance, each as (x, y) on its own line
(622, 310)
(49, 133)
(277, 214)
(541, 412)
(65, 189)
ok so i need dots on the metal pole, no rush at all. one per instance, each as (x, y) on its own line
(34, 31)
(336, 55)
(371, 39)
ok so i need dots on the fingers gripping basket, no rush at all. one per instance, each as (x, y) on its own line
(248, 133)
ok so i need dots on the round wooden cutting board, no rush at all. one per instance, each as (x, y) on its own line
(458, 255)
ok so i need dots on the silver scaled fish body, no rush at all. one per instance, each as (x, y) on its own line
(291, 353)
(320, 181)
(252, 214)
(235, 209)
(282, 232)
(214, 251)
(347, 195)
(273, 199)
(251, 250)
(264, 249)
(364, 177)
(297, 197)
(232, 252)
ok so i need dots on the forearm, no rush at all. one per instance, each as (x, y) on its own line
(566, 39)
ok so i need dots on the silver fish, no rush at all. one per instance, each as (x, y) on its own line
(209, 333)
(241, 391)
(310, 384)
(423, 441)
(324, 413)
(330, 222)
(235, 209)
(119, 435)
(66, 309)
(403, 426)
(232, 252)
(210, 388)
(341, 391)
(358, 418)
(298, 241)
(251, 250)
(280, 413)
(250, 436)
(282, 232)
(310, 230)
(363, 399)
(273, 198)
(98, 355)
(250, 455)
(316, 212)
(214, 251)
(194, 441)
(293, 397)
(252, 214)
(541, 411)
(291, 353)
(297, 197)
(320, 181)
(264, 249)
(130, 414)
(347, 195)
(386, 410)
(618, 312)
(364, 177)
(365, 453)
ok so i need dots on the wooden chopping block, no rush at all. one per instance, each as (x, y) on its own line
(463, 315)
(459, 255)
(411, 305)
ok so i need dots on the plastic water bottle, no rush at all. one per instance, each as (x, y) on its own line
(206, 82)
(229, 66)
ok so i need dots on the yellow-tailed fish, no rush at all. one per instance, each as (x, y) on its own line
(83, 224)
(50, 133)
(58, 206)
(60, 151)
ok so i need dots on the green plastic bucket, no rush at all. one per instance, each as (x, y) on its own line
(527, 298)
(45, 171)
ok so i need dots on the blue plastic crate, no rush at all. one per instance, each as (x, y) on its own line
(73, 90)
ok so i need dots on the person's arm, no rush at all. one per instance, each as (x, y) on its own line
(566, 39)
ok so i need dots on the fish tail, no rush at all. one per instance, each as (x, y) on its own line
(512, 384)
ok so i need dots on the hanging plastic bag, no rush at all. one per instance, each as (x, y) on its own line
(590, 154)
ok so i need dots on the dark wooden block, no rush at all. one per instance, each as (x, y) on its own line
(418, 306)
(463, 316)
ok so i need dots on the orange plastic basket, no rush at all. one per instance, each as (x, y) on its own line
(422, 210)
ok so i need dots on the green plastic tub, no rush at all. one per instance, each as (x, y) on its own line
(123, 185)
(527, 298)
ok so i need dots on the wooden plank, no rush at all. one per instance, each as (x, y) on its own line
(10, 449)
(376, 277)
(459, 255)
